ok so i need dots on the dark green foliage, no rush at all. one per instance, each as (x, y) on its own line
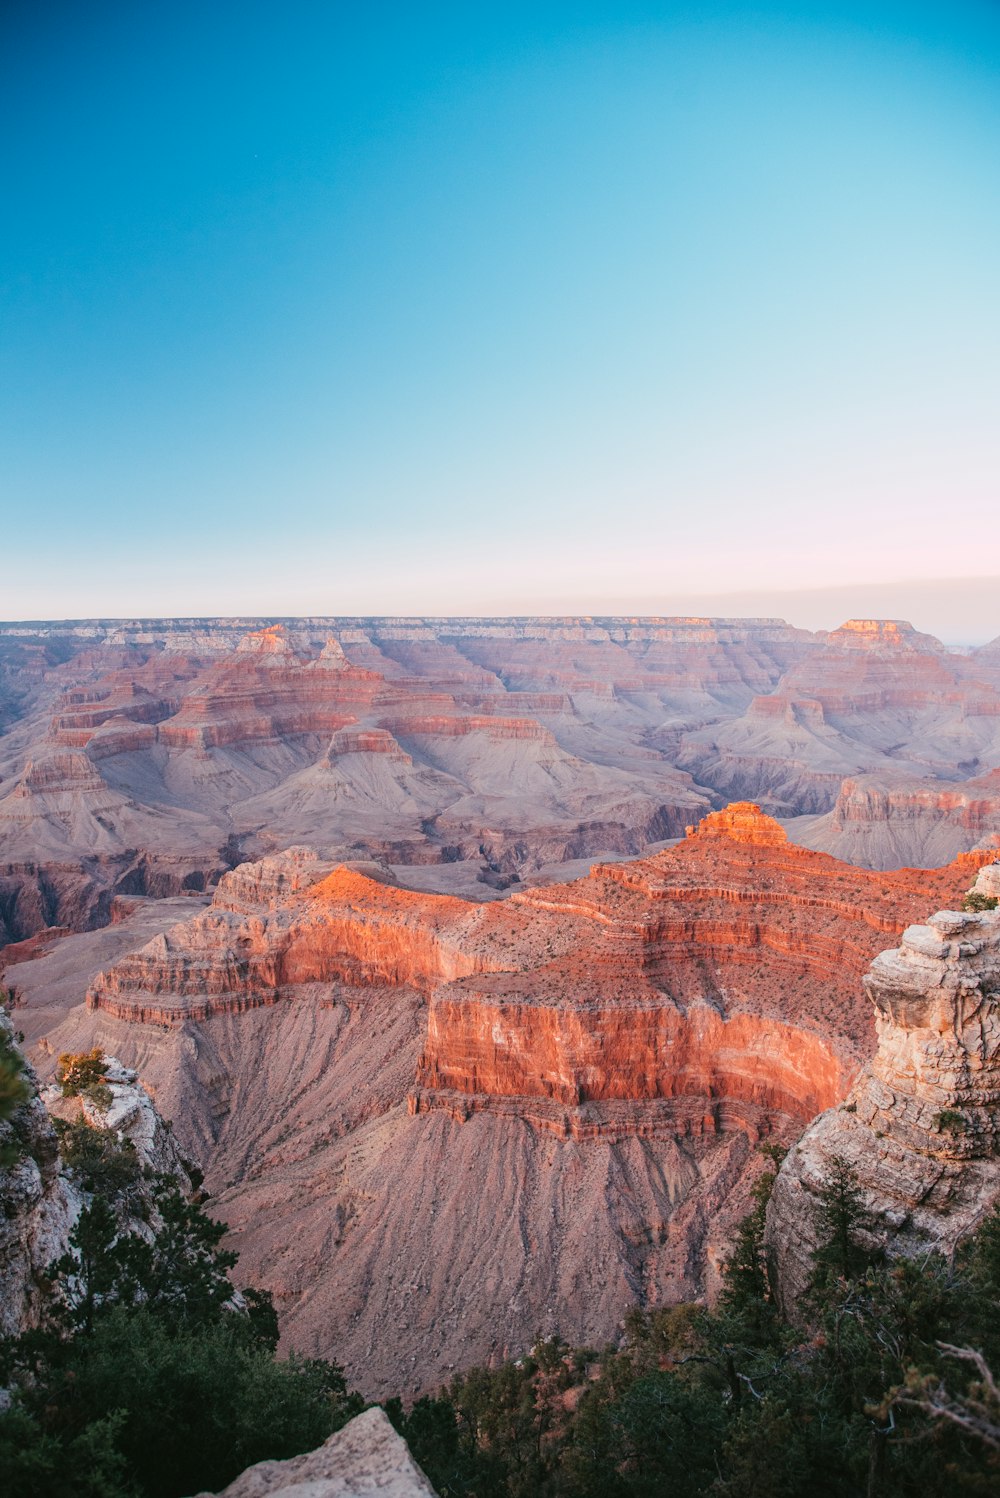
(149, 1381)
(950, 1121)
(976, 901)
(262, 1316)
(83, 1075)
(843, 1219)
(14, 1092)
(102, 1163)
(748, 1297)
(189, 1408)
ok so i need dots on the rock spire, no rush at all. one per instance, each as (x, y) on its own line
(921, 1127)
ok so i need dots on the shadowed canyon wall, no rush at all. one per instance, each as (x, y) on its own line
(147, 757)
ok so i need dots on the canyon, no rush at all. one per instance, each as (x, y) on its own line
(436, 1126)
(474, 959)
(147, 757)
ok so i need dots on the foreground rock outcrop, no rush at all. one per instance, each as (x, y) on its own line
(40, 1199)
(38, 1204)
(367, 1456)
(920, 1129)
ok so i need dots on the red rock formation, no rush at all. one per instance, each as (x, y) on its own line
(716, 969)
(588, 1063)
(500, 745)
(742, 822)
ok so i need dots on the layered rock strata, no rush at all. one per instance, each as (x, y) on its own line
(146, 757)
(715, 969)
(921, 1127)
(505, 1117)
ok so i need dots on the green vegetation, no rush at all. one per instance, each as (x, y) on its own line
(14, 1089)
(83, 1075)
(878, 1395)
(149, 1380)
(975, 901)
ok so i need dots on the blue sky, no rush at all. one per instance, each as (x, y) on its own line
(515, 308)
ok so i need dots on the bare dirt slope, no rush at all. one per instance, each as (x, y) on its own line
(436, 1127)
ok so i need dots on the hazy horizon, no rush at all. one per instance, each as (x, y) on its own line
(958, 611)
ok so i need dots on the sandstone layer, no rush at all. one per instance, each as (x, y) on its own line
(147, 757)
(438, 1126)
(921, 1127)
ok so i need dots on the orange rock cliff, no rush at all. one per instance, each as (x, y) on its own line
(726, 968)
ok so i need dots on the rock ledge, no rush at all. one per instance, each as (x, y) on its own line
(367, 1456)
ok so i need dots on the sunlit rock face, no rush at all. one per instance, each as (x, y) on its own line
(921, 1126)
(144, 758)
(590, 1064)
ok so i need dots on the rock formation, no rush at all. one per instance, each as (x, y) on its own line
(367, 1456)
(920, 1129)
(40, 1199)
(880, 820)
(508, 1116)
(38, 1205)
(146, 757)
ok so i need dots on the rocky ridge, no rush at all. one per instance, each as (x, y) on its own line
(687, 973)
(40, 1200)
(147, 757)
(920, 1128)
(507, 1116)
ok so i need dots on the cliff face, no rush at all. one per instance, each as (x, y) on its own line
(920, 1127)
(715, 969)
(146, 757)
(880, 819)
(512, 1115)
(40, 1200)
(38, 1207)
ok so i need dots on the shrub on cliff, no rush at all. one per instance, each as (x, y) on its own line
(148, 1380)
(83, 1075)
(14, 1089)
(976, 901)
(104, 1165)
(735, 1403)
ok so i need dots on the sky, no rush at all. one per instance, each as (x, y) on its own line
(500, 308)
